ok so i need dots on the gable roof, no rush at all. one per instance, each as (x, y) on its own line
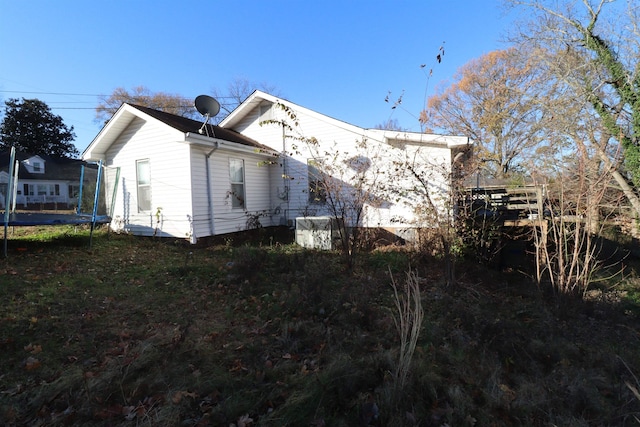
(387, 136)
(185, 129)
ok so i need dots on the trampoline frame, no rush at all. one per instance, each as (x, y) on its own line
(13, 218)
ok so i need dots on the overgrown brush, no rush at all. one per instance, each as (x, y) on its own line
(408, 321)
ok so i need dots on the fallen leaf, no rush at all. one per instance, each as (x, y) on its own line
(32, 364)
(33, 349)
(244, 420)
(179, 395)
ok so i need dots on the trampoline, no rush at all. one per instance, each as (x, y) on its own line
(30, 218)
(46, 198)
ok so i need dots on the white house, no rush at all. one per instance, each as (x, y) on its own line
(396, 169)
(262, 164)
(175, 181)
(44, 182)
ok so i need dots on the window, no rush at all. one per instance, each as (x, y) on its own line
(317, 189)
(74, 190)
(144, 185)
(236, 176)
(37, 167)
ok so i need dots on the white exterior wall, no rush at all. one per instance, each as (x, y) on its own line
(397, 191)
(217, 205)
(257, 185)
(202, 225)
(169, 164)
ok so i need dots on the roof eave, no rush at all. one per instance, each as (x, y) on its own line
(208, 141)
(114, 128)
(448, 141)
(247, 105)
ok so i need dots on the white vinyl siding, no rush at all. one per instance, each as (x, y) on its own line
(169, 181)
(316, 186)
(391, 210)
(257, 186)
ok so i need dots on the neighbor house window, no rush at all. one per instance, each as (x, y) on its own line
(317, 186)
(143, 177)
(236, 176)
(74, 190)
(37, 167)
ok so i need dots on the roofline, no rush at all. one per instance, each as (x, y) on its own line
(450, 141)
(107, 129)
(387, 136)
(216, 142)
(179, 136)
(258, 96)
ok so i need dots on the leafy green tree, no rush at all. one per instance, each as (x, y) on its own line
(31, 127)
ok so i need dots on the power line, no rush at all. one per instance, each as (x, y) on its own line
(90, 94)
(48, 93)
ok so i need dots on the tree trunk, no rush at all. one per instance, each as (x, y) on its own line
(626, 188)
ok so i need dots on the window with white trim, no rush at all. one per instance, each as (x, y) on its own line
(236, 178)
(143, 181)
(41, 189)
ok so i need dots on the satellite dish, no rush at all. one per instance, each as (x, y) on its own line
(207, 106)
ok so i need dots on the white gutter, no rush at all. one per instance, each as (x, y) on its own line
(449, 141)
(221, 143)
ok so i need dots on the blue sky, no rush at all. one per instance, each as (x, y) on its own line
(340, 58)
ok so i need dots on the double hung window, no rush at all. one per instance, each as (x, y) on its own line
(143, 181)
(236, 177)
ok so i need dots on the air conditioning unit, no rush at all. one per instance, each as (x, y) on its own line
(318, 232)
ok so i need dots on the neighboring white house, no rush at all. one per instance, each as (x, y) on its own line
(44, 182)
(257, 165)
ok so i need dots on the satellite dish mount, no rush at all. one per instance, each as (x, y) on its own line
(208, 107)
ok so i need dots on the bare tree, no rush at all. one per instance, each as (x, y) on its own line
(603, 39)
(236, 92)
(566, 243)
(495, 101)
(391, 124)
(141, 95)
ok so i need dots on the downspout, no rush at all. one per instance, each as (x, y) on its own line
(208, 176)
